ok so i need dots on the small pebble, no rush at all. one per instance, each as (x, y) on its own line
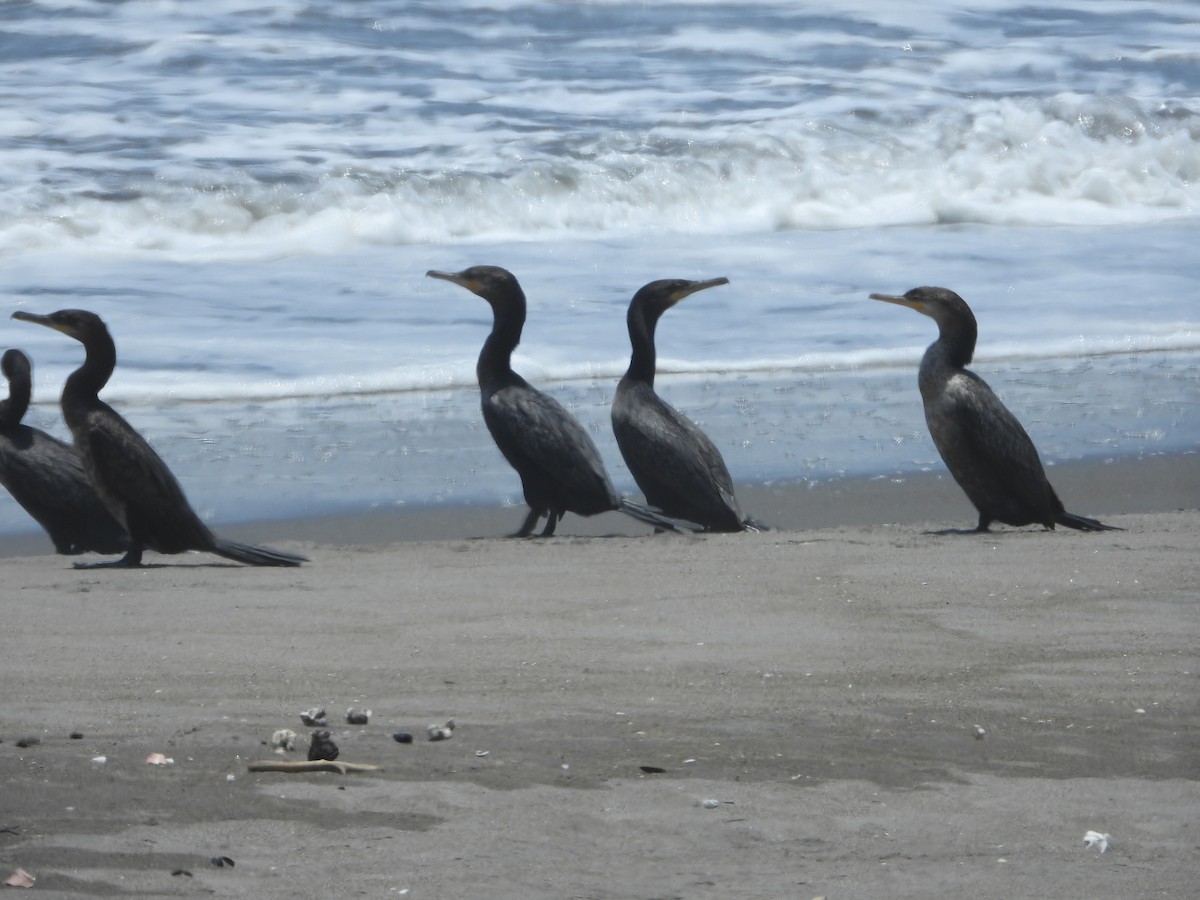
(441, 732)
(76, 735)
(314, 718)
(357, 716)
(402, 737)
(29, 742)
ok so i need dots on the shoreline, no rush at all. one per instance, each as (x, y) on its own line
(1090, 487)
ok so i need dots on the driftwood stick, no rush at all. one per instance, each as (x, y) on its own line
(306, 765)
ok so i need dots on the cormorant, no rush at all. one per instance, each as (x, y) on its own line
(678, 468)
(983, 445)
(46, 477)
(132, 480)
(560, 468)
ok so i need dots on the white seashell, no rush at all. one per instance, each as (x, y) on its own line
(283, 740)
(1097, 839)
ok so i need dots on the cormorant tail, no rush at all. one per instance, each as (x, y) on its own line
(255, 556)
(1083, 523)
(652, 517)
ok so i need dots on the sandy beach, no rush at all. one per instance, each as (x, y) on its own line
(873, 710)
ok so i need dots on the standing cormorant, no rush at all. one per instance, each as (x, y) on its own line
(675, 464)
(46, 477)
(982, 443)
(560, 468)
(132, 480)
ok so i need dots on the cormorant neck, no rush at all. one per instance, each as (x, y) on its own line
(495, 359)
(86, 382)
(13, 410)
(644, 359)
(957, 335)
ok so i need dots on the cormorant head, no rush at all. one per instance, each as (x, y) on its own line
(657, 297)
(15, 366)
(497, 286)
(77, 323)
(943, 306)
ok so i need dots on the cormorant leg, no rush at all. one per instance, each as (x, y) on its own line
(526, 528)
(131, 560)
(551, 521)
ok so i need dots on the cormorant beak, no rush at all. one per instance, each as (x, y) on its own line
(456, 278)
(48, 321)
(901, 301)
(693, 287)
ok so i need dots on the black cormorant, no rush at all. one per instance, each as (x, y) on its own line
(132, 480)
(560, 468)
(982, 443)
(46, 477)
(678, 468)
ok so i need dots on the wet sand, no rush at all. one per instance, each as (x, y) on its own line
(877, 711)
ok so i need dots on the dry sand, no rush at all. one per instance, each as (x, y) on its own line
(826, 686)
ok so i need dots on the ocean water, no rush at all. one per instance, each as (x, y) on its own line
(251, 194)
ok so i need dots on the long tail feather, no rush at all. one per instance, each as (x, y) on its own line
(1083, 523)
(658, 520)
(256, 556)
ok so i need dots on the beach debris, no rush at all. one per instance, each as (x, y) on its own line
(314, 718)
(1097, 839)
(76, 735)
(322, 746)
(283, 740)
(20, 878)
(441, 732)
(222, 861)
(182, 872)
(159, 759)
(29, 742)
(402, 737)
(980, 731)
(316, 765)
(99, 760)
(483, 753)
(357, 716)
(709, 803)
(652, 770)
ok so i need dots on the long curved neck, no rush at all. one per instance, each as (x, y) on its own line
(84, 384)
(495, 359)
(13, 410)
(957, 336)
(644, 359)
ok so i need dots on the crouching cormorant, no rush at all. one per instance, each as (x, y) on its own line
(46, 477)
(132, 480)
(983, 445)
(560, 468)
(677, 466)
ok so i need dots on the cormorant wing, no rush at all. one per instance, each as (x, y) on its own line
(542, 441)
(683, 459)
(129, 471)
(1002, 460)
